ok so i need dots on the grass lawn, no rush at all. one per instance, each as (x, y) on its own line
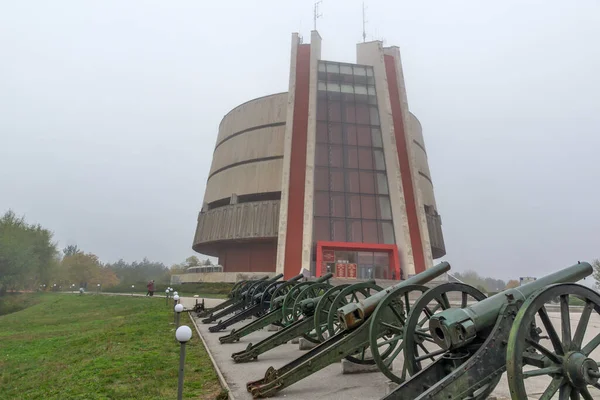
(98, 347)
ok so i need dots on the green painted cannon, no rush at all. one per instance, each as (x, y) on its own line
(348, 337)
(304, 318)
(244, 300)
(232, 297)
(532, 332)
(281, 308)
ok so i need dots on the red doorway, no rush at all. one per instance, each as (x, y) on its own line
(384, 264)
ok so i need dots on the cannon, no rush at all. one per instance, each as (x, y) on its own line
(348, 336)
(513, 331)
(232, 297)
(298, 322)
(259, 304)
(243, 300)
(279, 308)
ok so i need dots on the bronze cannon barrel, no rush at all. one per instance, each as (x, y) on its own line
(457, 327)
(354, 314)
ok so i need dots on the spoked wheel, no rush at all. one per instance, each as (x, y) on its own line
(560, 355)
(351, 294)
(287, 308)
(419, 348)
(322, 311)
(268, 293)
(281, 291)
(311, 292)
(387, 326)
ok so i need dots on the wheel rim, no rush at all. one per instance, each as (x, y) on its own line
(322, 311)
(386, 328)
(416, 337)
(311, 292)
(282, 290)
(351, 294)
(287, 308)
(551, 354)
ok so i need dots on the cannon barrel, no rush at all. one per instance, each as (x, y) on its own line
(324, 278)
(353, 314)
(258, 296)
(457, 327)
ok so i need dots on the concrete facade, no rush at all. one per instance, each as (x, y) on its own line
(261, 187)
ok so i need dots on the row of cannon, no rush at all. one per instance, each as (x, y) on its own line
(448, 341)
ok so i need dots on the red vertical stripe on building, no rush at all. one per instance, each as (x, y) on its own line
(295, 212)
(405, 171)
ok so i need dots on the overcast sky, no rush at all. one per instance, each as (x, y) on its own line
(109, 113)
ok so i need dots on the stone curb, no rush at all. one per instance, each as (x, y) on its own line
(212, 360)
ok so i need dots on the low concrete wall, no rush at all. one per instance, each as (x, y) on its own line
(230, 277)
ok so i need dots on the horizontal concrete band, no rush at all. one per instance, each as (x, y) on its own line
(426, 177)
(237, 164)
(254, 128)
(420, 146)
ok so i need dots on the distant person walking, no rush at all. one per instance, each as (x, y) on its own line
(150, 286)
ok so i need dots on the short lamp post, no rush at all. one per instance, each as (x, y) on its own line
(132, 289)
(167, 296)
(176, 299)
(98, 288)
(183, 335)
(178, 309)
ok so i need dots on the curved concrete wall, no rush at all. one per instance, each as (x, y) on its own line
(248, 156)
(425, 181)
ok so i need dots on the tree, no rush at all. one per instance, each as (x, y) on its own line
(596, 273)
(71, 249)
(512, 284)
(82, 268)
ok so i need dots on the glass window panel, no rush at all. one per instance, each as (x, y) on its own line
(372, 100)
(335, 113)
(355, 231)
(379, 160)
(321, 86)
(321, 204)
(385, 209)
(360, 79)
(322, 67)
(371, 90)
(339, 230)
(374, 115)
(362, 114)
(366, 182)
(321, 229)
(321, 178)
(348, 79)
(359, 70)
(368, 207)
(336, 156)
(352, 182)
(363, 134)
(350, 134)
(349, 113)
(353, 210)
(348, 97)
(351, 157)
(333, 68)
(323, 78)
(376, 137)
(360, 98)
(322, 136)
(321, 155)
(370, 80)
(322, 110)
(365, 257)
(338, 205)
(335, 133)
(369, 231)
(333, 87)
(370, 71)
(381, 258)
(346, 69)
(388, 232)
(360, 89)
(346, 88)
(382, 185)
(336, 180)
(365, 158)
(333, 96)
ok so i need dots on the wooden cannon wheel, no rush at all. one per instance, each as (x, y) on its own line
(417, 338)
(287, 307)
(268, 294)
(351, 294)
(311, 292)
(554, 355)
(322, 311)
(281, 291)
(387, 326)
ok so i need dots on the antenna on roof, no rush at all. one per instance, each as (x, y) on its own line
(364, 21)
(316, 13)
